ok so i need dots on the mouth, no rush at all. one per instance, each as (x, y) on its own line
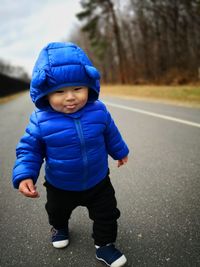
(70, 106)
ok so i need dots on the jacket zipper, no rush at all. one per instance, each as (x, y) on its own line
(83, 150)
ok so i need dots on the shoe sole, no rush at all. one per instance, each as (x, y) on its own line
(118, 263)
(60, 244)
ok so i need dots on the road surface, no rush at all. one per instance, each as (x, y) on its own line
(157, 192)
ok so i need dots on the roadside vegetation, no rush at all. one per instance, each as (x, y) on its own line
(142, 41)
(188, 95)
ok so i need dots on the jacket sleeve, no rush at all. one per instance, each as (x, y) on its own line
(115, 144)
(30, 152)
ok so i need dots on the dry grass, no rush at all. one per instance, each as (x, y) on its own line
(185, 94)
(6, 99)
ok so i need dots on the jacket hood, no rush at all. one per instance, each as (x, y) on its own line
(60, 65)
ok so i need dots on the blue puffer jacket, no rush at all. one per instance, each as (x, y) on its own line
(75, 146)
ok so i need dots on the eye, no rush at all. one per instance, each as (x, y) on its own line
(59, 91)
(77, 88)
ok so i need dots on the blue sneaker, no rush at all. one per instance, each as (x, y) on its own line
(60, 238)
(111, 256)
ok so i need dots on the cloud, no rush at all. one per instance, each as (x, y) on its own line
(30, 26)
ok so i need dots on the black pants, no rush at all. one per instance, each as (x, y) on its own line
(100, 202)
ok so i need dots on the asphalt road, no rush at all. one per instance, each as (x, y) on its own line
(157, 191)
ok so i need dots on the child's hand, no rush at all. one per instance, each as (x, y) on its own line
(28, 189)
(122, 161)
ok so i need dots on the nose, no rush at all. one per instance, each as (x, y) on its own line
(69, 95)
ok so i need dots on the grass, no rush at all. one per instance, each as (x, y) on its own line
(188, 95)
(6, 99)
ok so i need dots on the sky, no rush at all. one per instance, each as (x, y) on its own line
(27, 26)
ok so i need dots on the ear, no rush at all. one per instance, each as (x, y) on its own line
(92, 72)
(38, 78)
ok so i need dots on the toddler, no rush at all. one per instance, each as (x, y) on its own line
(74, 133)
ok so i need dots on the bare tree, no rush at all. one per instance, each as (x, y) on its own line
(99, 15)
(147, 40)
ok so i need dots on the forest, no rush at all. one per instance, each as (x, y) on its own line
(137, 41)
(142, 41)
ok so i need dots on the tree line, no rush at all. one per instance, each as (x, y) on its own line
(13, 71)
(142, 41)
(13, 79)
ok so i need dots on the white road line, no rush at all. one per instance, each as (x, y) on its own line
(153, 114)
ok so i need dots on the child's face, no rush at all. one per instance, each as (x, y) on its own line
(68, 99)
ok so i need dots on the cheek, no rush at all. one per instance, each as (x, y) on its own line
(85, 98)
(84, 101)
(53, 101)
